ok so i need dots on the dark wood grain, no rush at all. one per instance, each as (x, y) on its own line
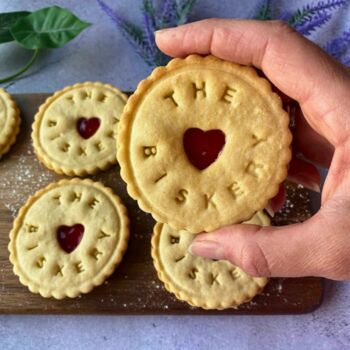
(134, 287)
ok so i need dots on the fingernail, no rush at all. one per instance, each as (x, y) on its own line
(313, 186)
(161, 31)
(207, 249)
(310, 185)
(270, 210)
(306, 182)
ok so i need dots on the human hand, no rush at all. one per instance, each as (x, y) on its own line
(321, 245)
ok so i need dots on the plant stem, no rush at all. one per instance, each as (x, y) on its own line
(22, 70)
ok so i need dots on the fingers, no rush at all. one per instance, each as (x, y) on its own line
(296, 66)
(288, 251)
(318, 247)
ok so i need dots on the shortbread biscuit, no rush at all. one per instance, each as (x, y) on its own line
(74, 131)
(203, 143)
(201, 282)
(68, 238)
(9, 122)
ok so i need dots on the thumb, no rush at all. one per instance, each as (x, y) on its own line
(287, 251)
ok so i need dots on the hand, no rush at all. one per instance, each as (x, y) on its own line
(321, 245)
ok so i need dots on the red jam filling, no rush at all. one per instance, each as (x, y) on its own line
(203, 147)
(69, 237)
(87, 127)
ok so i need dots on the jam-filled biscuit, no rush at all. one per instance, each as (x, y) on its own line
(201, 282)
(68, 238)
(9, 122)
(203, 143)
(74, 132)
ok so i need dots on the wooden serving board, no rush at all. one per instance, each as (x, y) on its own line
(134, 287)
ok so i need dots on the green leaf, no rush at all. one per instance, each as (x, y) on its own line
(7, 20)
(50, 27)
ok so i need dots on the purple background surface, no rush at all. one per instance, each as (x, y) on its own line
(101, 53)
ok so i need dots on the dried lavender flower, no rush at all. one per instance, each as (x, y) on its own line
(169, 14)
(315, 21)
(339, 46)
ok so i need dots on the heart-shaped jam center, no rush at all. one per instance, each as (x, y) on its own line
(69, 237)
(203, 147)
(88, 126)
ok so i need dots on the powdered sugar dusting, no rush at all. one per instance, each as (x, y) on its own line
(296, 207)
(22, 176)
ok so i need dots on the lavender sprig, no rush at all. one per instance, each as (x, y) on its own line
(169, 14)
(339, 46)
(149, 19)
(184, 8)
(313, 16)
(346, 61)
(315, 21)
(175, 12)
(264, 13)
(149, 24)
(308, 12)
(131, 32)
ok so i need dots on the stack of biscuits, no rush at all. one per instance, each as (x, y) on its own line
(203, 143)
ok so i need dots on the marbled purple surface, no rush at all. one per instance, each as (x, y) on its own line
(101, 53)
